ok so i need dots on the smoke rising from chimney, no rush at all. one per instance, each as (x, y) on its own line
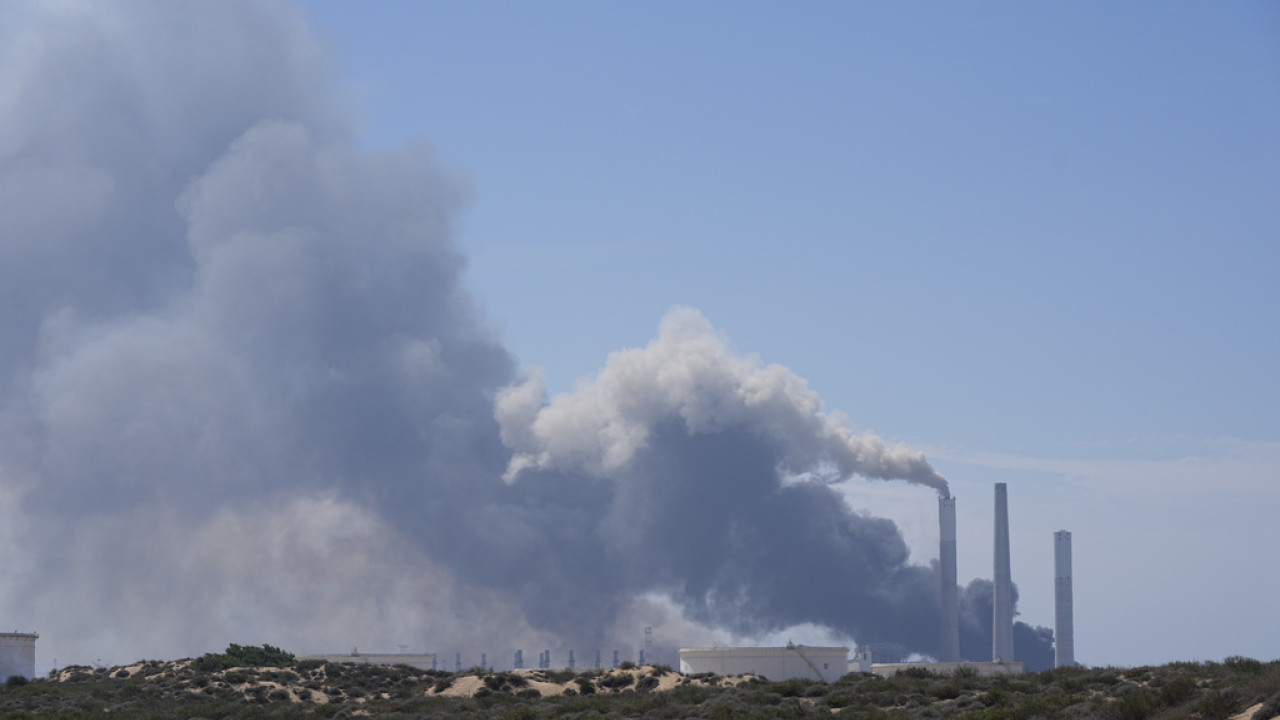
(242, 381)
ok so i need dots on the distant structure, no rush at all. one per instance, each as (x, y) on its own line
(948, 595)
(18, 655)
(824, 664)
(1064, 654)
(518, 661)
(1002, 602)
(421, 661)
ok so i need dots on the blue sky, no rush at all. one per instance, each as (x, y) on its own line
(1038, 241)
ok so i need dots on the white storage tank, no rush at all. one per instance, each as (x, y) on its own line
(18, 655)
(775, 663)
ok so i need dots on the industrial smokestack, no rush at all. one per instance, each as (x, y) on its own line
(948, 597)
(1002, 602)
(1063, 620)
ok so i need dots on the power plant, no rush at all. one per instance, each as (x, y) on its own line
(17, 650)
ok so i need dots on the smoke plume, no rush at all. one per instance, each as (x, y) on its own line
(244, 396)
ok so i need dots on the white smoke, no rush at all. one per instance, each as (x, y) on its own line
(689, 371)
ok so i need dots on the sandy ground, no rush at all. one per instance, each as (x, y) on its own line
(468, 685)
(1248, 713)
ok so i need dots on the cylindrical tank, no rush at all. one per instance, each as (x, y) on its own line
(18, 655)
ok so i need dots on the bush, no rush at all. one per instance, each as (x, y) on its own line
(1216, 705)
(617, 682)
(244, 656)
(1177, 691)
(646, 684)
(561, 676)
(1243, 665)
(15, 681)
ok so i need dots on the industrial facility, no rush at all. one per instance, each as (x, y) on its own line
(1002, 655)
(775, 663)
(821, 663)
(18, 655)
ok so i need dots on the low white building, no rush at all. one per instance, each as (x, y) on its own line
(421, 661)
(18, 655)
(775, 663)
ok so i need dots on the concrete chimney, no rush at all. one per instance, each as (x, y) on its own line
(948, 599)
(1002, 602)
(1063, 621)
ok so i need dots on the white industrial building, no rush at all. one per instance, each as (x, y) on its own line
(18, 655)
(775, 663)
(421, 661)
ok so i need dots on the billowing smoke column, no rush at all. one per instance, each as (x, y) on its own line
(241, 381)
(1064, 623)
(1002, 603)
(949, 601)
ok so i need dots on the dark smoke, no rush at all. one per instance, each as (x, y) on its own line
(1032, 646)
(245, 397)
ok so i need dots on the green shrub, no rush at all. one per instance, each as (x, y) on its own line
(946, 691)
(243, 656)
(1217, 705)
(1243, 665)
(645, 684)
(560, 676)
(618, 681)
(1177, 691)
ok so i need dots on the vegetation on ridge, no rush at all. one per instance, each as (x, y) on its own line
(317, 689)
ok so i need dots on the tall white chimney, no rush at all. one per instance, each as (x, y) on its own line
(948, 599)
(1002, 602)
(1063, 621)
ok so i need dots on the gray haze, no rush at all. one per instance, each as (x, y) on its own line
(245, 398)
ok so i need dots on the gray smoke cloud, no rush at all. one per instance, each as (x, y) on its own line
(244, 396)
